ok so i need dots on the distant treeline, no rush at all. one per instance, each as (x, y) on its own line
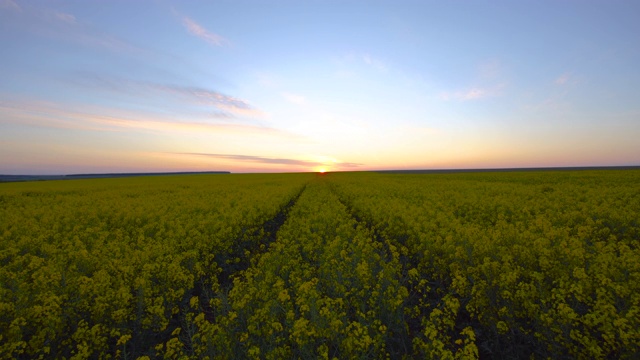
(12, 178)
(449, 171)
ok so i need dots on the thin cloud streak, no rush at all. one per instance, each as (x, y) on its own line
(563, 79)
(272, 161)
(63, 26)
(205, 96)
(8, 4)
(490, 69)
(199, 31)
(361, 59)
(68, 18)
(473, 93)
(374, 63)
(294, 98)
(53, 115)
(226, 106)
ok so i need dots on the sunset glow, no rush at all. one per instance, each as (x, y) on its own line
(287, 86)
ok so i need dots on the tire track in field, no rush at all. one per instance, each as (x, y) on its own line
(404, 344)
(416, 292)
(331, 257)
(431, 294)
(246, 248)
(266, 234)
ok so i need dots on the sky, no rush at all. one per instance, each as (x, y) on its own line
(288, 86)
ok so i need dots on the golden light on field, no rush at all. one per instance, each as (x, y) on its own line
(322, 170)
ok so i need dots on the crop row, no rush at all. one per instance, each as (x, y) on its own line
(324, 288)
(327, 287)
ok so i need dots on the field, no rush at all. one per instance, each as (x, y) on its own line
(347, 265)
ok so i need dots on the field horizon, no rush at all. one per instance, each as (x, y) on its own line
(46, 177)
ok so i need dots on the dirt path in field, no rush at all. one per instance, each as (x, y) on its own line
(249, 245)
(413, 325)
(245, 249)
(266, 234)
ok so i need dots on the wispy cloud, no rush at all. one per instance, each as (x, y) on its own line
(62, 26)
(473, 93)
(272, 161)
(225, 106)
(562, 79)
(68, 18)
(9, 4)
(223, 102)
(294, 98)
(199, 31)
(361, 60)
(91, 118)
(490, 69)
(555, 103)
(488, 82)
(374, 63)
(556, 98)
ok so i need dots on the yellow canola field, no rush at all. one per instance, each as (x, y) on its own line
(104, 268)
(540, 264)
(341, 265)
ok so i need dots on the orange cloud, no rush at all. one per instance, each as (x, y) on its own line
(275, 161)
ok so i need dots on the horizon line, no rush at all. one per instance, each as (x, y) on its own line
(44, 177)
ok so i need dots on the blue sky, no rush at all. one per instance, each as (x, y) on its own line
(251, 86)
